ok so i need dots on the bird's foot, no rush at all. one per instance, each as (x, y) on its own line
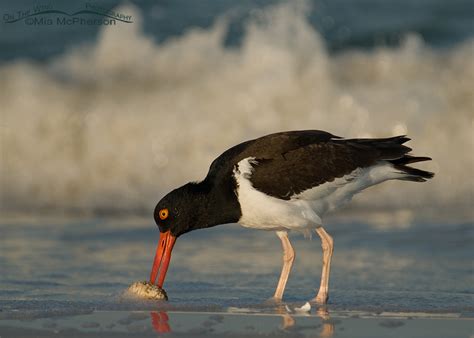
(321, 298)
(273, 301)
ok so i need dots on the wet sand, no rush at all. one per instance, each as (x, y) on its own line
(241, 323)
(66, 277)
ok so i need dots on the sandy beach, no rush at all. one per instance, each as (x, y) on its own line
(67, 277)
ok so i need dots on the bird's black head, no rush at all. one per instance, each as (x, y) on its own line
(180, 210)
(190, 207)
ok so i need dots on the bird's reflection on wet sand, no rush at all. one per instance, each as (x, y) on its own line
(289, 321)
(160, 321)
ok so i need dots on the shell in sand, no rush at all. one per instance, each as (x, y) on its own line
(147, 290)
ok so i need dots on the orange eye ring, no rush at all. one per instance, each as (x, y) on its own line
(163, 214)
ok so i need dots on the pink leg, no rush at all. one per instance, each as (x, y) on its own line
(327, 244)
(288, 258)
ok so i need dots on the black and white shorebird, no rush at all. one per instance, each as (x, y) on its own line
(282, 182)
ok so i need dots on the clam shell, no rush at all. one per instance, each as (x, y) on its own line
(147, 290)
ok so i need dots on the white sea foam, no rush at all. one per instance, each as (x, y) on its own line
(115, 125)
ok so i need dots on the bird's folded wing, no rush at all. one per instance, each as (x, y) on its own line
(295, 171)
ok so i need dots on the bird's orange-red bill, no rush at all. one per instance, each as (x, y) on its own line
(162, 258)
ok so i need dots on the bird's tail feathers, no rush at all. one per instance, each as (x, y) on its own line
(407, 159)
(393, 150)
(413, 174)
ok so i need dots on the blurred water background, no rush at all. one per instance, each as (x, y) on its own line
(107, 119)
(98, 122)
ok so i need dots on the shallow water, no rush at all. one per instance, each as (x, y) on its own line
(74, 266)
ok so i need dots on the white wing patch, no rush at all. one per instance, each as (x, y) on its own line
(261, 211)
(331, 195)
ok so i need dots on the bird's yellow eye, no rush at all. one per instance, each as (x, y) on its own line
(163, 214)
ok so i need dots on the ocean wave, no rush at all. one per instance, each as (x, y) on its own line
(114, 125)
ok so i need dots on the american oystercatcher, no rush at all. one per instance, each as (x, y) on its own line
(281, 182)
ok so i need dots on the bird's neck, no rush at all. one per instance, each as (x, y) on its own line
(217, 204)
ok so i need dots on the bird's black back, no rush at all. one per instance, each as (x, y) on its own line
(288, 163)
